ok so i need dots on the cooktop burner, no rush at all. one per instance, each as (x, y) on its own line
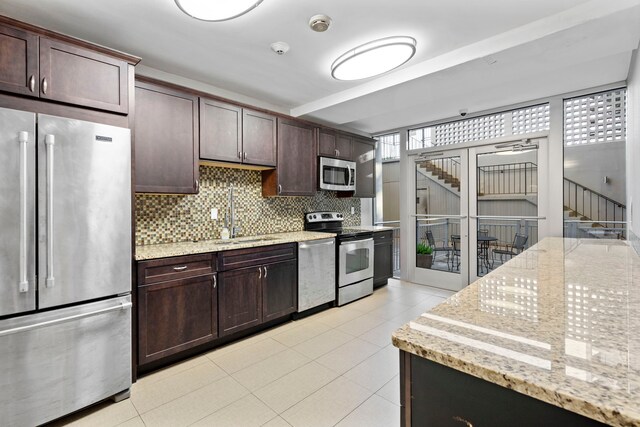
(331, 222)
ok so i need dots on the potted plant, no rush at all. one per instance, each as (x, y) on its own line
(424, 256)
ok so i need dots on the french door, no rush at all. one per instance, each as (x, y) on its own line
(477, 208)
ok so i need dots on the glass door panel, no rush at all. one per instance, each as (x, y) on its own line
(441, 219)
(506, 209)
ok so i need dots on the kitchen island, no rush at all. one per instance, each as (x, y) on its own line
(549, 338)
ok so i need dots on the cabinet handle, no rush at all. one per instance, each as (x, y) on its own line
(240, 155)
(338, 153)
(335, 152)
(50, 141)
(245, 155)
(265, 272)
(32, 83)
(182, 268)
(279, 188)
(197, 185)
(215, 281)
(259, 273)
(45, 85)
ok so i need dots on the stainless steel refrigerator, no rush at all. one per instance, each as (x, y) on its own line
(65, 265)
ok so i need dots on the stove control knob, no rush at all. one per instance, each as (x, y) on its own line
(314, 217)
(339, 215)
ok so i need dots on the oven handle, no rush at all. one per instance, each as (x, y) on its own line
(356, 242)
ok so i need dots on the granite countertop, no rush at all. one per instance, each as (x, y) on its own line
(560, 323)
(165, 250)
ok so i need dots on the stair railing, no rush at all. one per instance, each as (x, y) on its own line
(448, 166)
(508, 178)
(595, 206)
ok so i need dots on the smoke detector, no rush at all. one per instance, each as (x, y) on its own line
(319, 23)
(280, 48)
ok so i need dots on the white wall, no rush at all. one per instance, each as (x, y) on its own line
(589, 164)
(633, 148)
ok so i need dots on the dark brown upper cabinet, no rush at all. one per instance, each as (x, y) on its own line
(258, 138)
(51, 69)
(333, 144)
(19, 61)
(296, 174)
(220, 131)
(166, 140)
(82, 77)
(229, 133)
(364, 154)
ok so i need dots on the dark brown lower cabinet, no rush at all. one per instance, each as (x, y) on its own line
(240, 297)
(382, 257)
(279, 289)
(432, 394)
(176, 315)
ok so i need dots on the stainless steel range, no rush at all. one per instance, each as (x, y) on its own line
(354, 255)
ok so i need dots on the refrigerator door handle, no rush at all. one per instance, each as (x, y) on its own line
(121, 306)
(50, 141)
(23, 139)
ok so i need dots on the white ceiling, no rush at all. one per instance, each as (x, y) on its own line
(542, 48)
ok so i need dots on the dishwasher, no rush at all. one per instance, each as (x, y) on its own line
(316, 273)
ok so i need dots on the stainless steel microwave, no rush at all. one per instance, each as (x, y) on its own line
(337, 175)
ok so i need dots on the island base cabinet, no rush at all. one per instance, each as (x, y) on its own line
(436, 395)
(176, 315)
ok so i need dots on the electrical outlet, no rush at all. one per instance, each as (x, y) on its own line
(353, 210)
(214, 213)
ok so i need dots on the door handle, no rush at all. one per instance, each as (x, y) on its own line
(23, 139)
(45, 85)
(32, 83)
(121, 306)
(50, 141)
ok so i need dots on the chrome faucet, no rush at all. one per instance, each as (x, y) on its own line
(233, 228)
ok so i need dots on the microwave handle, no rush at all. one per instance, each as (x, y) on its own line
(349, 180)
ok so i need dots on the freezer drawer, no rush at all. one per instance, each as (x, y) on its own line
(54, 363)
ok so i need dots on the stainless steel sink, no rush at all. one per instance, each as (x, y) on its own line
(244, 241)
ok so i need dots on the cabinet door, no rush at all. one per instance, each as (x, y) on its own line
(344, 147)
(220, 131)
(240, 301)
(166, 140)
(258, 138)
(18, 61)
(297, 160)
(176, 315)
(279, 289)
(383, 262)
(364, 155)
(82, 77)
(327, 142)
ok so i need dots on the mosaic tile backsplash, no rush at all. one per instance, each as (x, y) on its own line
(170, 219)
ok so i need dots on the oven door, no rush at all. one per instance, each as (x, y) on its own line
(355, 261)
(337, 175)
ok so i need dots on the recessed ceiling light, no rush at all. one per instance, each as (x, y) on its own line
(374, 58)
(216, 10)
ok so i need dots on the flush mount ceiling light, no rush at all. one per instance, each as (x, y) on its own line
(216, 10)
(374, 58)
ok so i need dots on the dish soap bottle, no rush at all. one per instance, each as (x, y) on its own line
(224, 234)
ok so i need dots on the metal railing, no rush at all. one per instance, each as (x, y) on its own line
(514, 178)
(591, 207)
(447, 168)
(396, 244)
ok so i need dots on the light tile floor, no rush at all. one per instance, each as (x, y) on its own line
(335, 368)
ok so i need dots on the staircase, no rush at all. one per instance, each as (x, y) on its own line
(445, 170)
(599, 216)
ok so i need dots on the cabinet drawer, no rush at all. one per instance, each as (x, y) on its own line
(240, 258)
(382, 236)
(175, 268)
